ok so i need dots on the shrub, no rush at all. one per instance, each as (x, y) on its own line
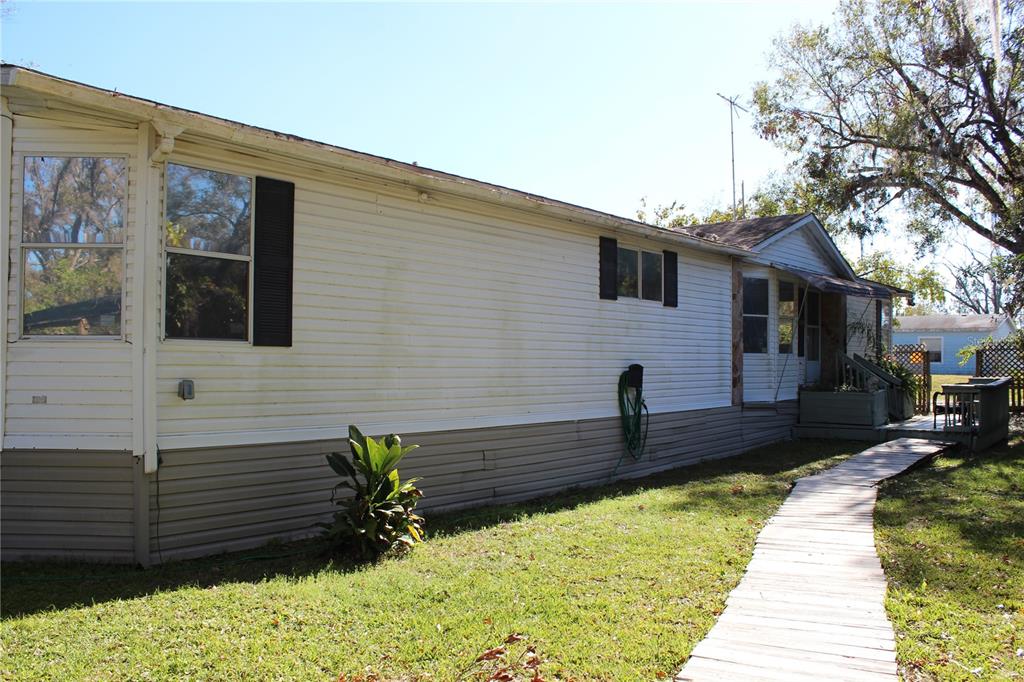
(911, 382)
(378, 518)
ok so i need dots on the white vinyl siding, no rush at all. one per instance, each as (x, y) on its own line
(800, 250)
(433, 314)
(86, 382)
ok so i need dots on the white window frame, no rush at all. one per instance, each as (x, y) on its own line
(640, 275)
(165, 249)
(942, 348)
(794, 327)
(22, 246)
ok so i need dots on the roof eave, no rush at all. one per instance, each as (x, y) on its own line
(820, 235)
(382, 168)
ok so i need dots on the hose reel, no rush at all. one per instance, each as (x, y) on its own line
(633, 412)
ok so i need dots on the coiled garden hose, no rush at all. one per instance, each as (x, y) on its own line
(634, 425)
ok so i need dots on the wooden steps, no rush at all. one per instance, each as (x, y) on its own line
(811, 604)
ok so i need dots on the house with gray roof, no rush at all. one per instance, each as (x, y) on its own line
(945, 335)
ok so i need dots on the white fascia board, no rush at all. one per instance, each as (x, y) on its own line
(302, 149)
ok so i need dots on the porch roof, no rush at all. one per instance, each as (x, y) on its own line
(837, 285)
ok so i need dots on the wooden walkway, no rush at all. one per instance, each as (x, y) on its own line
(810, 606)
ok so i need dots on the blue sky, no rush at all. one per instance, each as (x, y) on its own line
(599, 105)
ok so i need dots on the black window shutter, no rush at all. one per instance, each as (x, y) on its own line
(670, 272)
(272, 263)
(609, 268)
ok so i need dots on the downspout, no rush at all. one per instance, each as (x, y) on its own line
(156, 142)
(144, 323)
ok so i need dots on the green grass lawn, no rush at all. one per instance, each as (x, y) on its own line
(939, 379)
(951, 540)
(616, 583)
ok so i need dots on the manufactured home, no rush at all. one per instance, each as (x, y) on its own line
(197, 309)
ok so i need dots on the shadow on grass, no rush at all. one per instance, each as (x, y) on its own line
(958, 526)
(33, 587)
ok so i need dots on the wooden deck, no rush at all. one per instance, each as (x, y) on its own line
(810, 606)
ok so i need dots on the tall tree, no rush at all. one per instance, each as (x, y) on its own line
(915, 101)
(987, 285)
(924, 281)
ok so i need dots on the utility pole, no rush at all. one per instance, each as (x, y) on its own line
(733, 105)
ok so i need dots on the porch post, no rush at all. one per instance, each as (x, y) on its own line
(878, 329)
(833, 335)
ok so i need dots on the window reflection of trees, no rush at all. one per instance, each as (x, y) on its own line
(207, 234)
(207, 210)
(76, 201)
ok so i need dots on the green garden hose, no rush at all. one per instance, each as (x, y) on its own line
(634, 425)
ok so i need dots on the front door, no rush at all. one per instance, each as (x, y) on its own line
(812, 338)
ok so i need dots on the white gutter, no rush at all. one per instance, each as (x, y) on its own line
(416, 177)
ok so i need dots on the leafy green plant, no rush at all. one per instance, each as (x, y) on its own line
(911, 382)
(379, 517)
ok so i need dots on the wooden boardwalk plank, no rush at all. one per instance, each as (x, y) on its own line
(811, 604)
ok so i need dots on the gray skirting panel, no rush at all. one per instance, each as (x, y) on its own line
(67, 505)
(98, 506)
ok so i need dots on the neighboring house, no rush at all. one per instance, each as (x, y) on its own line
(197, 309)
(945, 335)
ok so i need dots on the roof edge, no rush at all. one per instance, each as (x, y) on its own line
(378, 167)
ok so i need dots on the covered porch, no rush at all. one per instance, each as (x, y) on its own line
(863, 392)
(975, 415)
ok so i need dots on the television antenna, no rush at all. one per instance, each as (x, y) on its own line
(733, 106)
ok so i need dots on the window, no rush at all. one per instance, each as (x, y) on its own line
(208, 235)
(933, 344)
(628, 273)
(651, 272)
(639, 274)
(787, 316)
(755, 315)
(72, 245)
(631, 273)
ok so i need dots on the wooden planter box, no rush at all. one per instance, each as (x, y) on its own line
(857, 409)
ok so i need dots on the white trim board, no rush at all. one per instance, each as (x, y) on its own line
(188, 441)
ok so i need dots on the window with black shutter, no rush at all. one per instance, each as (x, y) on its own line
(227, 235)
(629, 272)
